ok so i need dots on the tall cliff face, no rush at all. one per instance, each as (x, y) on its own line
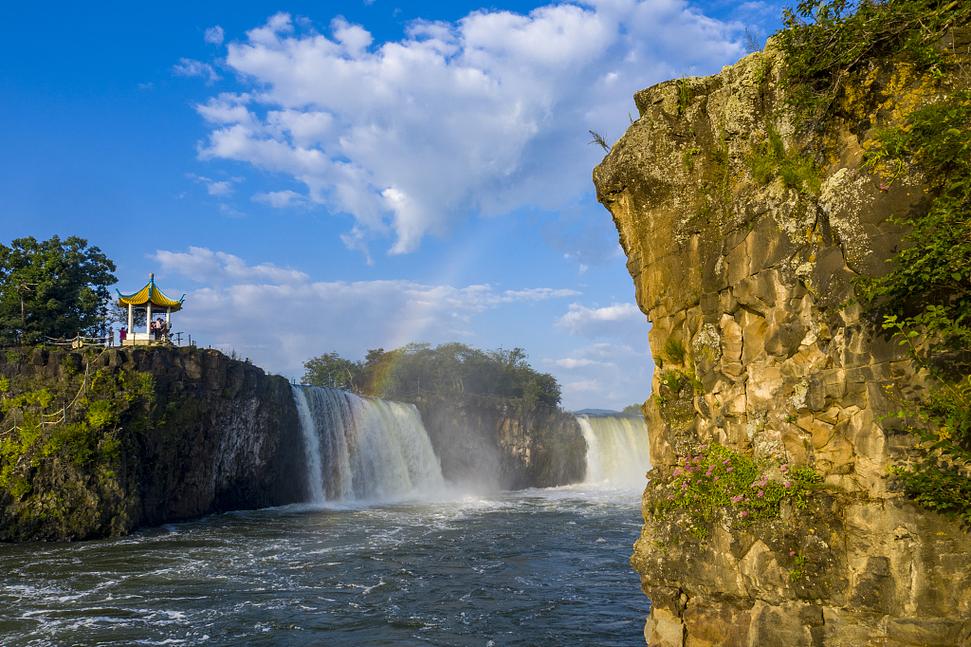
(499, 444)
(763, 354)
(97, 443)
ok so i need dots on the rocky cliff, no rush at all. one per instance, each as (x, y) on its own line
(97, 442)
(770, 518)
(503, 444)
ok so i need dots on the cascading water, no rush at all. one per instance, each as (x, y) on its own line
(617, 450)
(364, 448)
(315, 484)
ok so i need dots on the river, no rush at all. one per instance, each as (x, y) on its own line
(537, 567)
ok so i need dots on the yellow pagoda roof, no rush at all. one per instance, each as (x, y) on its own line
(150, 293)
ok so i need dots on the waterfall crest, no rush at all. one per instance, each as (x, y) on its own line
(617, 450)
(364, 448)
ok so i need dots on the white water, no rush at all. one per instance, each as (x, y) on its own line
(315, 471)
(617, 450)
(366, 448)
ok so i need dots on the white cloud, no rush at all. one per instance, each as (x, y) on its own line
(215, 188)
(279, 317)
(483, 115)
(220, 267)
(281, 199)
(573, 362)
(606, 374)
(192, 67)
(608, 320)
(214, 35)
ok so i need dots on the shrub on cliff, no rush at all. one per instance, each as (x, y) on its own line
(52, 288)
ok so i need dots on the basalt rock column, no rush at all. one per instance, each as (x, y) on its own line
(761, 348)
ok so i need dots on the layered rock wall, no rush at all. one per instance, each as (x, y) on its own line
(760, 347)
(128, 438)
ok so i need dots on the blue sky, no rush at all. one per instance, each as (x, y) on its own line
(322, 176)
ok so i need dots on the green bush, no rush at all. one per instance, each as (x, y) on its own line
(719, 481)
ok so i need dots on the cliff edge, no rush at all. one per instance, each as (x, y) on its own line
(95, 443)
(770, 516)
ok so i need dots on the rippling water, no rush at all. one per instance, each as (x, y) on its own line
(540, 567)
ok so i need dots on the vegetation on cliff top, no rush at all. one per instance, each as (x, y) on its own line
(450, 370)
(924, 301)
(52, 288)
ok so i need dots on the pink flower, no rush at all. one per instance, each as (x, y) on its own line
(678, 471)
(792, 553)
(736, 498)
(715, 479)
(726, 462)
(729, 469)
(743, 513)
(784, 468)
(761, 494)
(709, 471)
(787, 484)
(684, 485)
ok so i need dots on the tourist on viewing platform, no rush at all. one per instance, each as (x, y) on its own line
(122, 335)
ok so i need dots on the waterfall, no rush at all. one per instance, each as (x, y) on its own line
(315, 484)
(364, 448)
(617, 449)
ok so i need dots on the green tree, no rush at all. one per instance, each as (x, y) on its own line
(52, 288)
(330, 369)
(633, 410)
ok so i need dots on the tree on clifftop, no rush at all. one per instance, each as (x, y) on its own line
(330, 369)
(52, 288)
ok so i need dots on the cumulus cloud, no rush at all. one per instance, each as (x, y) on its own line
(192, 67)
(214, 35)
(482, 115)
(279, 316)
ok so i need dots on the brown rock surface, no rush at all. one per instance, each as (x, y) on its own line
(755, 281)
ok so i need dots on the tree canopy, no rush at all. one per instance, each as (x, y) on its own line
(452, 369)
(52, 288)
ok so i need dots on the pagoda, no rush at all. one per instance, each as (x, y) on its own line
(154, 301)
